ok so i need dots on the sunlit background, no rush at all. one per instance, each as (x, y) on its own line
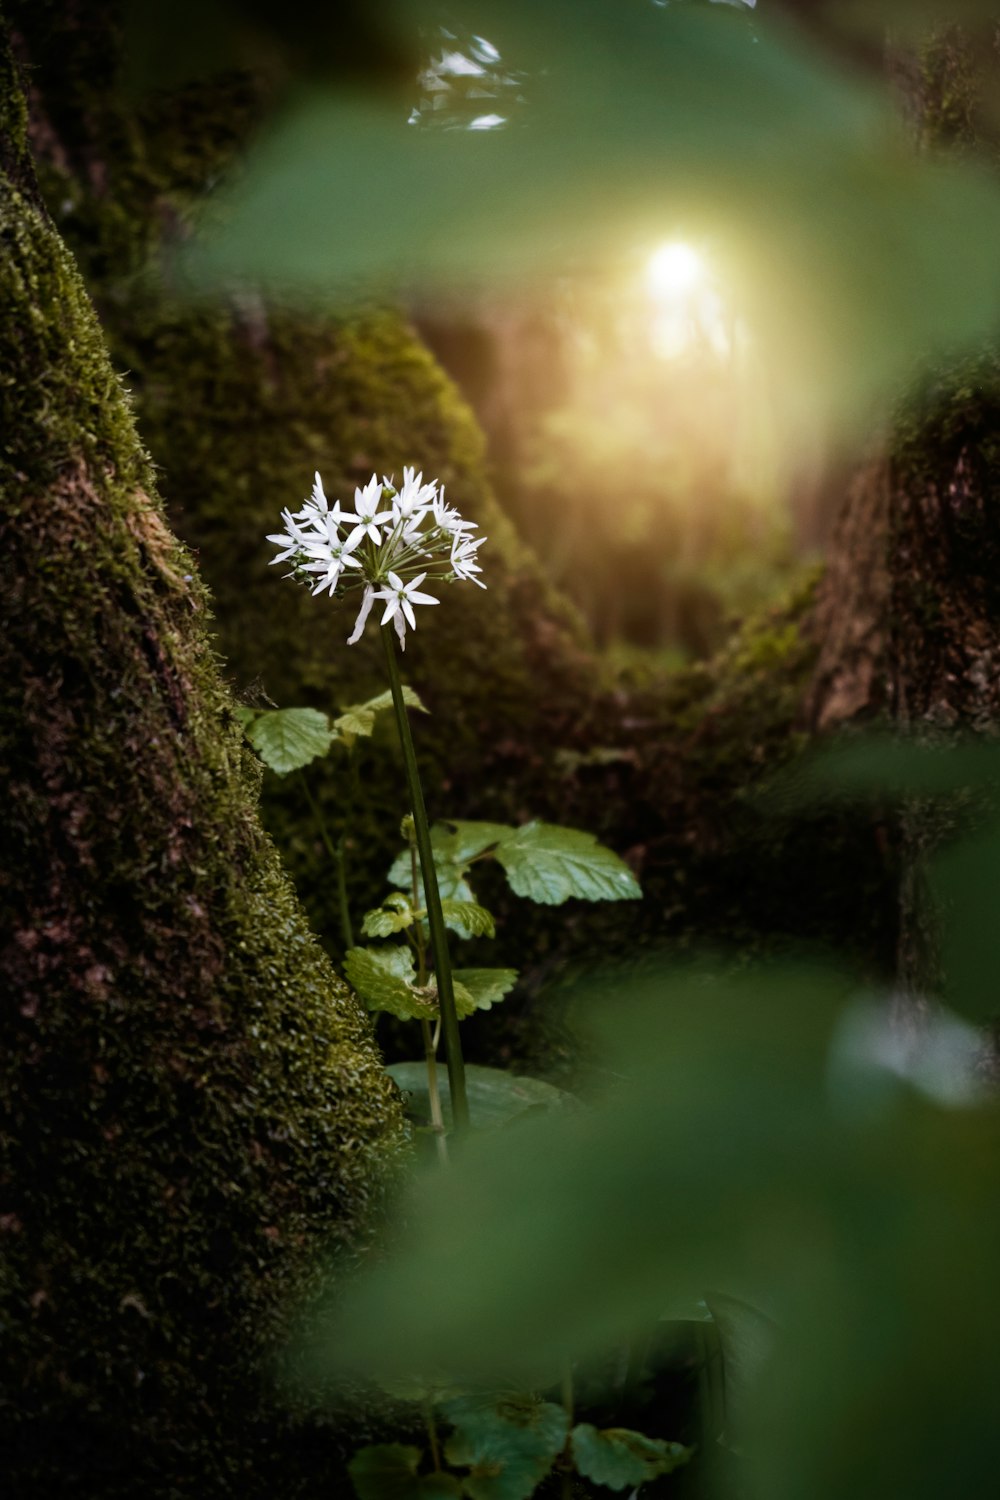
(635, 438)
(631, 425)
(679, 261)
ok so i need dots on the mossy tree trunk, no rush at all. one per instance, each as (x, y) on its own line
(191, 1102)
(908, 613)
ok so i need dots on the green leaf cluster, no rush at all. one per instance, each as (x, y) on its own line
(542, 861)
(384, 978)
(507, 1445)
(496, 1097)
(466, 918)
(388, 1471)
(286, 739)
(620, 1458)
(359, 719)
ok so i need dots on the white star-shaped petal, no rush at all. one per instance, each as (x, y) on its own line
(400, 598)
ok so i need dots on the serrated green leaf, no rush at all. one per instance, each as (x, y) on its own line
(244, 715)
(383, 978)
(388, 1471)
(467, 918)
(360, 718)
(383, 921)
(549, 864)
(509, 1445)
(286, 739)
(495, 1097)
(620, 1458)
(452, 885)
(464, 841)
(486, 986)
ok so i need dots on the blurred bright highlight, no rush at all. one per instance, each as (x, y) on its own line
(674, 269)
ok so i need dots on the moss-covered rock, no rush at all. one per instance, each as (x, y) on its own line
(191, 1101)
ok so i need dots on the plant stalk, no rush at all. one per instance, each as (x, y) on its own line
(437, 1118)
(432, 1435)
(336, 853)
(567, 1453)
(432, 896)
(430, 1040)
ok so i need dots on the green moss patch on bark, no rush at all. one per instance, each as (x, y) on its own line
(192, 1102)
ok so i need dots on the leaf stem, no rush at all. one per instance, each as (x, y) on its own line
(567, 1391)
(437, 1118)
(432, 1434)
(567, 1453)
(336, 853)
(419, 940)
(432, 896)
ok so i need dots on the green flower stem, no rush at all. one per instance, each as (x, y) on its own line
(435, 916)
(336, 853)
(437, 1117)
(430, 1040)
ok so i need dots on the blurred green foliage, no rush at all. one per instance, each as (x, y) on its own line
(765, 1140)
(852, 257)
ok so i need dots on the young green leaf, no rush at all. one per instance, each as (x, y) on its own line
(383, 978)
(509, 1445)
(465, 1004)
(620, 1458)
(360, 718)
(464, 841)
(495, 1097)
(450, 873)
(467, 919)
(391, 917)
(286, 739)
(549, 864)
(388, 1471)
(486, 986)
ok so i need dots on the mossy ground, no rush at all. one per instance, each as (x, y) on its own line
(192, 1104)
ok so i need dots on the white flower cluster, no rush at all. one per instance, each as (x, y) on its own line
(386, 546)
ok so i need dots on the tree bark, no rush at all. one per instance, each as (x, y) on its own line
(191, 1101)
(908, 612)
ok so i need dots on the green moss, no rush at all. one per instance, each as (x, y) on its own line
(192, 1103)
(951, 81)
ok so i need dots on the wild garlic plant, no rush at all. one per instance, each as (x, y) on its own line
(387, 546)
(391, 547)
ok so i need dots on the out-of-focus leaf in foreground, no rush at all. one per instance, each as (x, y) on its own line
(729, 1158)
(958, 788)
(849, 256)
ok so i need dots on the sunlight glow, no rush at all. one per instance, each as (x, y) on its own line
(674, 270)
